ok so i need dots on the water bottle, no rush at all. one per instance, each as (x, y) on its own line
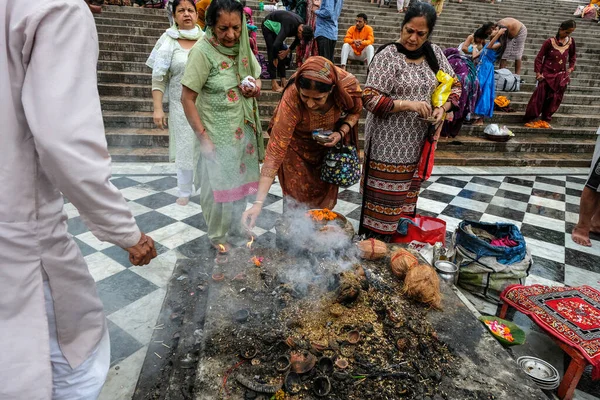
(261, 6)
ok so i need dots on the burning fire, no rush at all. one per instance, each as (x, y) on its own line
(257, 261)
(222, 248)
(249, 244)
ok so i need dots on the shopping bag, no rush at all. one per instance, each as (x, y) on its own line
(421, 229)
(442, 92)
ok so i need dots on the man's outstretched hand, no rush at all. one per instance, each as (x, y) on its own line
(143, 252)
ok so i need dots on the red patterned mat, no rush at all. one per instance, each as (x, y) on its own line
(570, 314)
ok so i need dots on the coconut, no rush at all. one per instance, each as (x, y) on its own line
(372, 249)
(402, 261)
(422, 284)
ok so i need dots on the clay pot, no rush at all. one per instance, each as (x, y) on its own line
(325, 365)
(292, 383)
(353, 337)
(341, 363)
(218, 277)
(282, 364)
(322, 386)
(318, 347)
(303, 362)
(249, 352)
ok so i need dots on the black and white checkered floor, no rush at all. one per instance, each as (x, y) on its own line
(543, 202)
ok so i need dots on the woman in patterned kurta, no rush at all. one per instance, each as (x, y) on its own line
(397, 95)
(553, 66)
(225, 118)
(319, 95)
(167, 61)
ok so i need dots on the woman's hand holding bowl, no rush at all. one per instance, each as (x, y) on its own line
(336, 137)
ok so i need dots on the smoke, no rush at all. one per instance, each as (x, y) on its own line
(319, 250)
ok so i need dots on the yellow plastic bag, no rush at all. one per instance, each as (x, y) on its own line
(442, 92)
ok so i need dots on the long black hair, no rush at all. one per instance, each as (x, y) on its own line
(178, 2)
(483, 31)
(309, 84)
(217, 7)
(565, 25)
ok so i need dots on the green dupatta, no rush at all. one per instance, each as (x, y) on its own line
(242, 51)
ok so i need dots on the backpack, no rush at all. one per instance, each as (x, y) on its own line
(506, 81)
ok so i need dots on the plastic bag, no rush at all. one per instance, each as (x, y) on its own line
(578, 11)
(494, 129)
(420, 228)
(442, 92)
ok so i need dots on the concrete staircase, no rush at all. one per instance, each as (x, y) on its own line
(127, 35)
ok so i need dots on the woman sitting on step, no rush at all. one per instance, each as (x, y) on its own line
(490, 54)
(319, 95)
(220, 86)
(167, 60)
(553, 67)
(400, 84)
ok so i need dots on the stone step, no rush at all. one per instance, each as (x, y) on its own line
(112, 42)
(144, 91)
(454, 21)
(139, 154)
(135, 138)
(442, 157)
(267, 105)
(590, 84)
(143, 120)
(462, 12)
(385, 34)
(136, 62)
(457, 158)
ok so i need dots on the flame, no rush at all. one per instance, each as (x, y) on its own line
(249, 244)
(222, 248)
(257, 261)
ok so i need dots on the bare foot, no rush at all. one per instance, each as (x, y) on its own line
(581, 236)
(183, 201)
(478, 122)
(278, 89)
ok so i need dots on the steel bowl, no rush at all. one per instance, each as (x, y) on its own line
(447, 271)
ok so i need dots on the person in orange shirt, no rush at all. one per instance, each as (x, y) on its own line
(358, 43)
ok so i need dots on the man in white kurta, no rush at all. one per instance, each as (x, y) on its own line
(52, 141)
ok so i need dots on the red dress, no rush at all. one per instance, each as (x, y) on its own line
(551, 62)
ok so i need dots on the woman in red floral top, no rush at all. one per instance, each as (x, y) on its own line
(553, 66)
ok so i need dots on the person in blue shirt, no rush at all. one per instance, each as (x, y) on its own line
(326, 30)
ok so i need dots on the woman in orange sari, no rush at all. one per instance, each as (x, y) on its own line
(319, 95)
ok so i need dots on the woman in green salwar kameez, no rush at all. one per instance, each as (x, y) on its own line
(224, 116)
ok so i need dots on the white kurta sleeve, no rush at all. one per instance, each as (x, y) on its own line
(62, 108)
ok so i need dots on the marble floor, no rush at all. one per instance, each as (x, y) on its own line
(542, 202)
